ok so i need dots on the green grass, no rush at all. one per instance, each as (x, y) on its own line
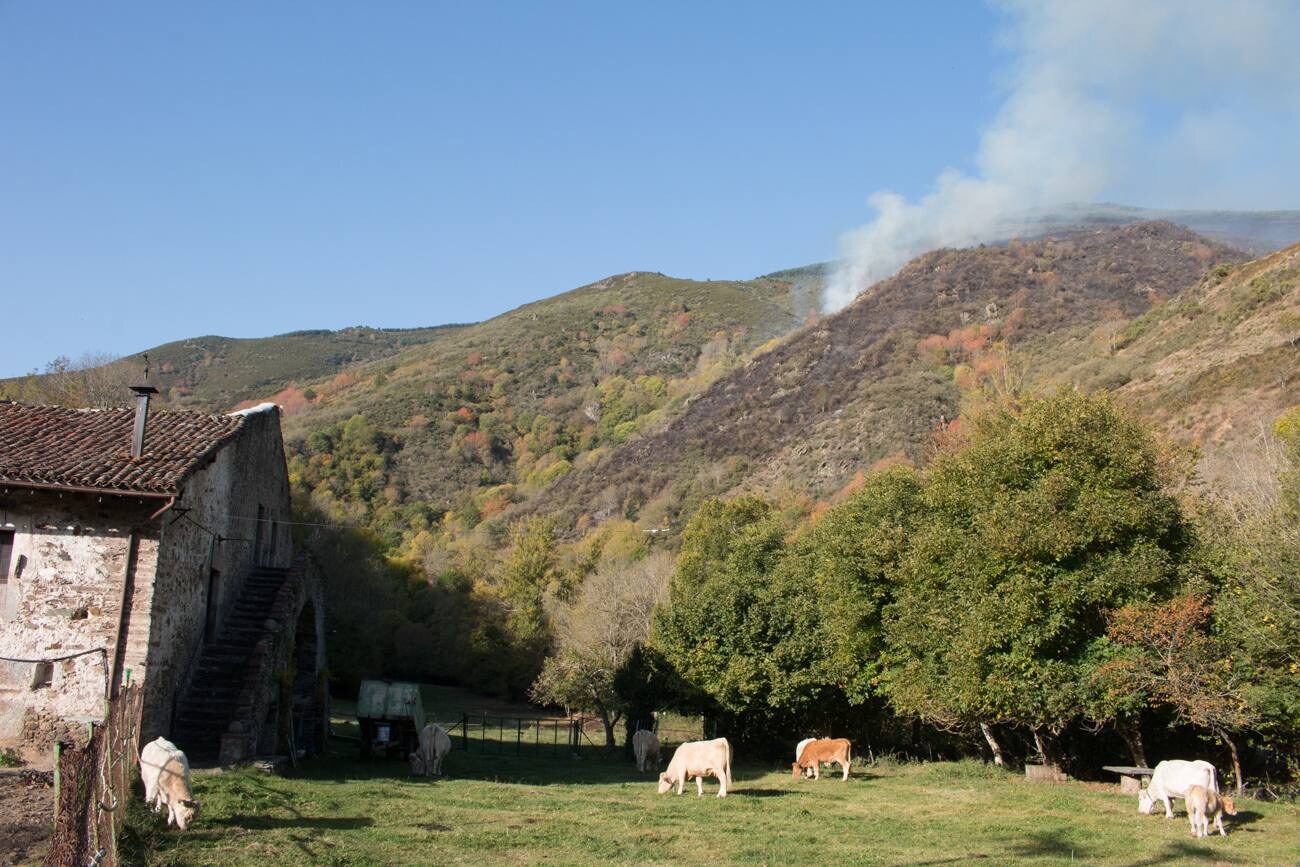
(597, 810)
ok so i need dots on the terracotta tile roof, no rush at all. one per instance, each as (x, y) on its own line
(91, 448)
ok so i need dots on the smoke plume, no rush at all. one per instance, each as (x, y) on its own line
(1159, 99)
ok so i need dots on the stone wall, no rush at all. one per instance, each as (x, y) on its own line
(64, 597)
(216, 532)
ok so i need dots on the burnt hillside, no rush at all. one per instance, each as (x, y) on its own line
(876, 379)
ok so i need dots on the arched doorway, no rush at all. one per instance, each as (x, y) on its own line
(307, 724)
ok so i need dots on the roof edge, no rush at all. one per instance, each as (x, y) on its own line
(83, 489)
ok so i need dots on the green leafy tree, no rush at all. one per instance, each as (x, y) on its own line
(1040, 523)
(736, 627)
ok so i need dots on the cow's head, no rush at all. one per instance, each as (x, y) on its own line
(1146, 803)
(184, 813)
(796, 770)
(665, 784)
(1229, 807)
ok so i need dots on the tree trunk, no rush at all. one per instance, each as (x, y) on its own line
(1046, 745)
(993, 743)
(611, 727)
(1236, 761)
(1131, 733)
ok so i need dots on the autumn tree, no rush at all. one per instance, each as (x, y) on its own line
(597, 633)
(1177, 660)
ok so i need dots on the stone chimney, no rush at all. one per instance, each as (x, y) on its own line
(142, 393)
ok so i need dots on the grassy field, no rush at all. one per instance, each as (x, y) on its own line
(338, 810)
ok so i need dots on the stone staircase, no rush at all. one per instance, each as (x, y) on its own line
(210, 704)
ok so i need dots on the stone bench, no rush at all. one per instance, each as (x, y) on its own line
(1130, 779)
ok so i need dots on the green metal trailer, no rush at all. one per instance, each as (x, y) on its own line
(391, 716)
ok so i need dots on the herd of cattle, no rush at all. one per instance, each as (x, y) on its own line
(165, 772)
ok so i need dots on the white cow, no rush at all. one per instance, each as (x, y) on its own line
(165, 772)
(699, 759)
(645, 746)
(1201, 805)
(1171, 779)
(435, 743)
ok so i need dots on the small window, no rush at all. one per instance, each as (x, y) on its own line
(43, 676)
(6, 554)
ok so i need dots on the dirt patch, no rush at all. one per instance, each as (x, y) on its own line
(26, 815)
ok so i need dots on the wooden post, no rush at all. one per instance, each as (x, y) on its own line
(58, 754)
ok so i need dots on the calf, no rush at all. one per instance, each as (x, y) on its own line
(1202, 803)
(823, 750)
(165, 772)
(699, 759)
(645, 746)
(435, 743)
(1171, 779)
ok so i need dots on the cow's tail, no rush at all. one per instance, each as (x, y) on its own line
(728, 767)
(1214, 780)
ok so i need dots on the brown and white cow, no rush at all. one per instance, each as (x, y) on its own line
(823, 750)
(699, 759)
(645, 746)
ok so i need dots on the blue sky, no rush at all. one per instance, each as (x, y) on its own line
(170, 170)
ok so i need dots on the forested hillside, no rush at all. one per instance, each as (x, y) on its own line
(217, 373)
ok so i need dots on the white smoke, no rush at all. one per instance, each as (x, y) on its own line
(1106, 97)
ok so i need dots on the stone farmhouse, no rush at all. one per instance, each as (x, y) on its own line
(154, 550)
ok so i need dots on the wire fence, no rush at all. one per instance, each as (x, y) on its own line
(92, 786)
(496, 734)
(503, 734)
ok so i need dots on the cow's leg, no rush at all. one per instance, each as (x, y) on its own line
(1169, 806)
(817, 770)
(722, 785)
(846, 769)
(1218, 823)
(699, 785)
(680, 782)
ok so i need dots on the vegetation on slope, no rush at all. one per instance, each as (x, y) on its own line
(875, 381)
(1212, 365)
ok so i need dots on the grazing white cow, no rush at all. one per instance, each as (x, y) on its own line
(645, 746)
(798, 751)
(1201, 805)
(699, 759)
(165, 772)
(1171, 779)
(435, 743)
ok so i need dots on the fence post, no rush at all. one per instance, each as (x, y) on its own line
(464, 730)
(58, 754)
(519, 733)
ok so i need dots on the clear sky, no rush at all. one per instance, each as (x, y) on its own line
(239, 168)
